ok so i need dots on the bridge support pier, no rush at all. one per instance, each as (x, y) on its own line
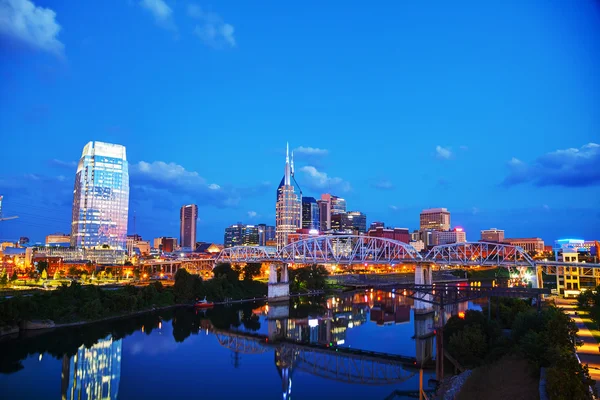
(424, 334)
(423, 276)
(278, 289)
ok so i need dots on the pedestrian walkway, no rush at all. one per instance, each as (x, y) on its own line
(589, 353)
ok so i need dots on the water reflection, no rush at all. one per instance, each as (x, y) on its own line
(370, 339)
(93, 373)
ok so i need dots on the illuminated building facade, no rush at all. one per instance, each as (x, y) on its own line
(288, 208)
(311, 215)
(243, 235)
(94, 372)
(58, 239)
(101, 197)
(399, 234)
(188, 217)
(358, 221)
(527, 244)
(492, 235)
(456, 235)
(324, 214)
(435, 218)
(266, 234)
(165, 244)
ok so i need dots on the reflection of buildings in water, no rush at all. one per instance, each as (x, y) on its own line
(93, 373)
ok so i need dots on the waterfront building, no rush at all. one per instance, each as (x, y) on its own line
(93, 372)
(101, 197)
(188, 218)
(208, 248)
(492, 235)
(266, 234)
(398, 234)
(311, 216)
(358, 221)
(456, 235)
(72, 254)
(165, 244)
(58, 239)
(288, 208)
(527, 244)
(435, 218)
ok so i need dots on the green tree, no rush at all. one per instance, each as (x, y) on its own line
(44, 274)
(136, 274)
(42, 266)
(3, 278)
(187, 287)
(468, 346)
(56, 275)
(251, 270)
(313, 277)
(224, 269)
(14, 276)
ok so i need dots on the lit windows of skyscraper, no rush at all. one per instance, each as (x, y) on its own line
(188, 221)
(358, 221)
(247, 235)
(266, 234)
(492, 235)
(435, 218)
(310, 214)
(288, 208)
(101, 197)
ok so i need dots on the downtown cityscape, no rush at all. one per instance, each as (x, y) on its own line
(300, 201)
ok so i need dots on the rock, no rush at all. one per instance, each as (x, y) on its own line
(455, 384)
(37, 324)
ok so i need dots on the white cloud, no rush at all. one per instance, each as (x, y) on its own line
(394, 208)
(546, 207)
(36, 26)
(318, 180)
(163, 14)
(572, 167)
(252, 214)
(162, 172)
(214, 186)
(442, 152)
(312, 151)
(211, 28)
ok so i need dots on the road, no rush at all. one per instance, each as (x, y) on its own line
(589, 353)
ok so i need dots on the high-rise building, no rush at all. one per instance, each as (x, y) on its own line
(358, 221)
(341, 223)
(492, 235)
(288, 209)
(58, 239)
(165, 244)
(456, 235)
(266, 233)
(188, 217)
(376, 224)
(311, 215)
(324, 214)
(243, 235)
(101, 197)
(435, 218)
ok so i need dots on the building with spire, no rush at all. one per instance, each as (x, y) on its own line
(288, 208)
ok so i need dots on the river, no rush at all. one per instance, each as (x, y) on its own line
(311, 348)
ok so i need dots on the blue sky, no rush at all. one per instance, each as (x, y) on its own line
(491, 109)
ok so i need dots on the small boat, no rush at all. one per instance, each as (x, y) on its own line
(203, 303)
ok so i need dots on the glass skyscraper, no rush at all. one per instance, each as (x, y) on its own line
(288, 208)
(101, 197)
(311, 216)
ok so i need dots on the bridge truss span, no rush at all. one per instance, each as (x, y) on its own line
(480, 253)
(348, 249)
(246, 254)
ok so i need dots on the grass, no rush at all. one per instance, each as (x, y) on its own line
(508, 378)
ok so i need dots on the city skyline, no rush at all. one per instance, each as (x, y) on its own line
(500, 128)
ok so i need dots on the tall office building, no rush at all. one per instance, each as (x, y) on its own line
(101, 197)
(266, 233)
(243, 235)
(435, 218)
(492, 235)
(456, 235)
(288, 209)
(324, 214)
(358, 221)
(188, 217)
(311, 216)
